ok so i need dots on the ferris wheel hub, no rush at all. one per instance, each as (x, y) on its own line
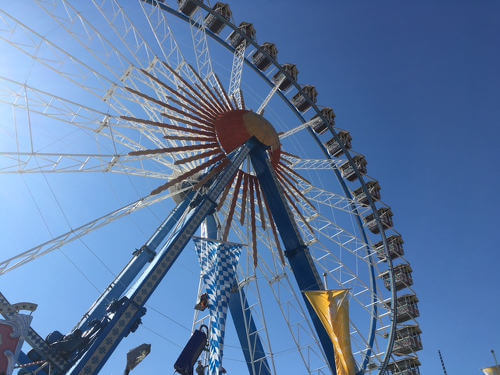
(234, 128)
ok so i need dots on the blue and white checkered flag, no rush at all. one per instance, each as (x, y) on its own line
(218, 261)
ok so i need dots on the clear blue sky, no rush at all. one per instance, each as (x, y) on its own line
(418, 87)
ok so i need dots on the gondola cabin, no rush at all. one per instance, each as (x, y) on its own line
(407, 340)
(187, 7)
(304, 99)
(402, 277)
(318, 125)
(291, 70)
(407, 308)
(214, 23)
(373, 188)
(385, 215)
(394, 245)
(334, 148)
(260, 59)
(235, 38)
(348, 171)
(407, 366)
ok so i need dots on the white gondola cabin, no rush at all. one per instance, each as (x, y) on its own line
(385, 215)
(291, 70)
(334, 148)
(373, 188)
(395, 248)
(407, 308)
(235, 38)
(402, 277)
(407, 366)
(348, 171)
(260, 59)
(303, 99)
(187, 7)
(407, 340)
(318, 125)
(214, 23)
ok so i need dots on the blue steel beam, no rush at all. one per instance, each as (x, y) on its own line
(251, 345)
(140, 257)
(252, 348)
(127, 312)
(297, 252)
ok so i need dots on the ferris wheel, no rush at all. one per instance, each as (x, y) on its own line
(147, 120)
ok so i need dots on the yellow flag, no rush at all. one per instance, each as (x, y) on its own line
(495, 370)
(332, 307)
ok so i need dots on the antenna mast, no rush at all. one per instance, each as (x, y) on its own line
(442, 362)
(494, 357)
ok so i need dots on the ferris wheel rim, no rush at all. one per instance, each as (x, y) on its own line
(341, 180)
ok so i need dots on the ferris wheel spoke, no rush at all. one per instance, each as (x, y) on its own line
(93, 41)
(36, 162)
(62, 62)
(115, 90)
(140, 50)
(86, 35)
(200, 45)
(166, 42)
(249, 285)
(205, 72)
(125, 29)
(162, 32)
(299, 326)
(157, 108)
(74, 234)
(311, 224)
(269, 96)
(236, 73)
(325, 258)
(313, 164)
(188, 98)
(329, 199)
(291, 307)
(297, 129)
(131, 38)
(79, 116)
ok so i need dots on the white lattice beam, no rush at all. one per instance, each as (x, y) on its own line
(74, 234)
(34, 162)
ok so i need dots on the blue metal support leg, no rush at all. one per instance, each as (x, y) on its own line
(140, 257)
(255, 355)
(253, 351)
(125, 315)
(297, 252)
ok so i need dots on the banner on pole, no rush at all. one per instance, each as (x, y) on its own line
(332, 307)
(218, 261)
